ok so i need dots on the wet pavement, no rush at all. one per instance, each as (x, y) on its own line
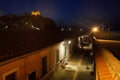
(80, 67)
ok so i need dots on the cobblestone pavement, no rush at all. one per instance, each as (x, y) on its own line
(80, 67)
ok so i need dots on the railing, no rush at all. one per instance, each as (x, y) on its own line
(103, 71)
(112, 62)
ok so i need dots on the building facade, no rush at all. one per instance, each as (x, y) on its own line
(37, 65)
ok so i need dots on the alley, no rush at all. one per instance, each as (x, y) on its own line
(80, 67)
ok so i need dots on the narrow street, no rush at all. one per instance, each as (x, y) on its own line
(80, 67)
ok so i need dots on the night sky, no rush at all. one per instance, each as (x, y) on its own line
(83, 12)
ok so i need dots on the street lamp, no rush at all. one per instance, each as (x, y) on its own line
(95, 29)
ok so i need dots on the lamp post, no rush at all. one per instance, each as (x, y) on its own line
(93, 31)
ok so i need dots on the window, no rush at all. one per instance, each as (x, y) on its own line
(11, 76)
(57, 56)
(32, 76)
(44, 66)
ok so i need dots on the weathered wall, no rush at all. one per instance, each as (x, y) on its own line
(8, 68)
(26, 64)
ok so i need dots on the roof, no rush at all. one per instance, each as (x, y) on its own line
(17, 43)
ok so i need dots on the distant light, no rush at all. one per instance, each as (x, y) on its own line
(91, 53)
(69, 42)
(80, 29)
(6, 26)
(62, 29)
(26, 23)
(69, 29)
(82, 37)
(33, 26)
(37, 28)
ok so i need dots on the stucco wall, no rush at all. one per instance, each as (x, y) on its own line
(26, 64)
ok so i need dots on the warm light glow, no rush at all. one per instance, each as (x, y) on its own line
(35, 13)
(71, 67)
(62, 50)
(95, 29)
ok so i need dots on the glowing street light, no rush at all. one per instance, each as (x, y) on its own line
(69, 42)
(95, 29)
